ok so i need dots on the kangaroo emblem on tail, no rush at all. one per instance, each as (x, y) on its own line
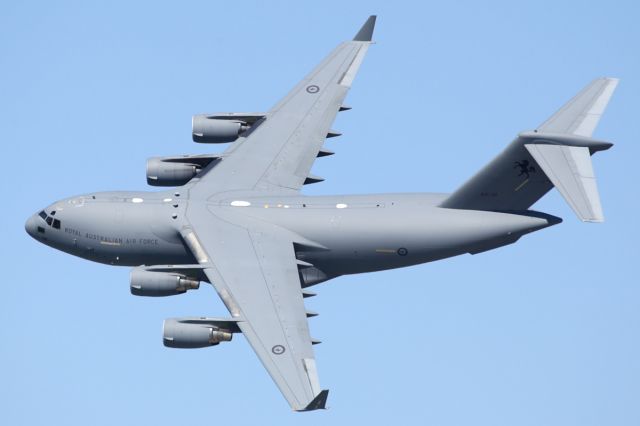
(525, 168)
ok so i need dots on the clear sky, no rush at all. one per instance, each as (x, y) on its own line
(543, 332)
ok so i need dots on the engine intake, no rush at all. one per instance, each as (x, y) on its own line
(185, 334)
(158, 284)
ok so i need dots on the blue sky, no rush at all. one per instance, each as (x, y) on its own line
(541, 332)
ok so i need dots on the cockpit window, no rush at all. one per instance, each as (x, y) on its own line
(55, 223)
(41, 229)
(53, 213)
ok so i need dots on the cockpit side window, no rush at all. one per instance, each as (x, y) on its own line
(56, 224)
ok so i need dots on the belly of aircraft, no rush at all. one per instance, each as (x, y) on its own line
(377, 232)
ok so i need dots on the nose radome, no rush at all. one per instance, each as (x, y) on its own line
(30, 226)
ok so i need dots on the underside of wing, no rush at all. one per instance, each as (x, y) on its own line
(254, 271)
(279, 152)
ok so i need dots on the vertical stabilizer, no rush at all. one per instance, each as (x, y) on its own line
(558, 153)
(581, 115)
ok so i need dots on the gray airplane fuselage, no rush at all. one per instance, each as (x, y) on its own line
(353, 233)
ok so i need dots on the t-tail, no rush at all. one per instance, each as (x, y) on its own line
(558, 153)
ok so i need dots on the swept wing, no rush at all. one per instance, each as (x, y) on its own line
(278, 153)
(252, 264)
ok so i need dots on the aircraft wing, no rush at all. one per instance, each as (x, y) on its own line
(254, 270)
(277, 154)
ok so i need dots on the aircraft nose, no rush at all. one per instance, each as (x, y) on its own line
(30, 226)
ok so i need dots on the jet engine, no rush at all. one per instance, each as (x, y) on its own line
(162, 173)
(213, 130)
(156, 284)
(178, 170)
(222, 127)
(185, 334)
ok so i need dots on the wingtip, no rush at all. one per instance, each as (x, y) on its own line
(610, 81)
(366, 32)
(319, 402)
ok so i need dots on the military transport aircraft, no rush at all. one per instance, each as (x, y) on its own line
(237, 220)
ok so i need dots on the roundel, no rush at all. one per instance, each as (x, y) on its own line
(278, 349)
(313, 89)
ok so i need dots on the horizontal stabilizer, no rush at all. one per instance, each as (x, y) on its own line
(569, 169)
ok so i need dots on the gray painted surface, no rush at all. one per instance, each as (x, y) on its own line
(242, 225)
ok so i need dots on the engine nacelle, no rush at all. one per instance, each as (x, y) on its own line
(165, 173)
(177, 333)
(157, 284)
(207, 129)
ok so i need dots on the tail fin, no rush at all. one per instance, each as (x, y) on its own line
(581, 115)
(556, 154)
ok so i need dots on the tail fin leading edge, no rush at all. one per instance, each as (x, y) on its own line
(581, 115)
(557, 154)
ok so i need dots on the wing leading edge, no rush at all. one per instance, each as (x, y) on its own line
(279, 153)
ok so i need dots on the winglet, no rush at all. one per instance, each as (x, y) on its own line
(366, 32)
(319, 402)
